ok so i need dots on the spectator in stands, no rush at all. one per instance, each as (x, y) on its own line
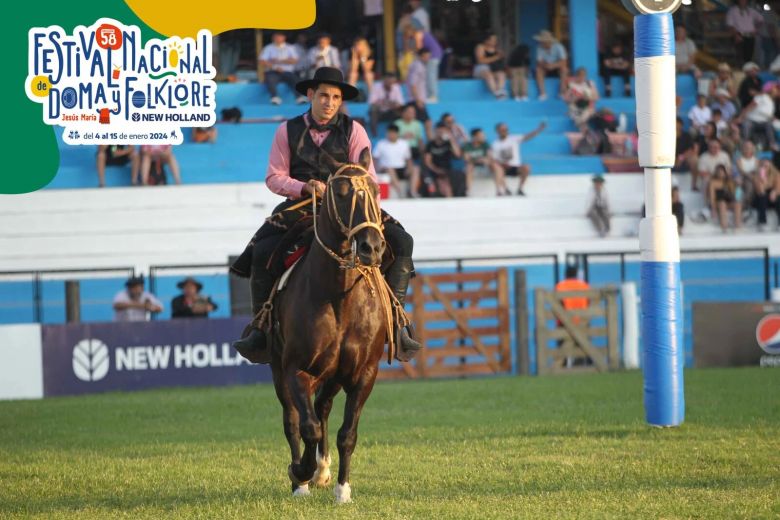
(204, 134)
(720, 125)
(411, 130)
(751, 84)
(133, 303)
(552, 61)
(519, 62)
(190, 303)
(417, 79)
(743, 22)
(324, 54)
(153, 157)
(440, 175)
(455, 129)
(725, 194)
(598, 206)
(769, 35)
(714, 156)
(301, 45)
(616, 62)
(426, 40)
(699, 114)
(279, 58)
(405, 41)
(758, 116)
(384, 102)
(479, 158)
(361, 60)
(723, 103)
(678, 209)
(766, 182)
(490, 66)
(393, 156)
(686, 152)
(506, 152)
(746, 165)
(117, 155)
(581, 96)
(420, 16)
(685, 53)
(724, 79)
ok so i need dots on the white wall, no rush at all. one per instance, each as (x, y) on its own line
(21, 363)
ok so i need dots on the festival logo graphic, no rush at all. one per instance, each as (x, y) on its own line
(768, 333)
(104, 86)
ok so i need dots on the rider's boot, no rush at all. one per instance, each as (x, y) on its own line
(253, 346)
(398, 279)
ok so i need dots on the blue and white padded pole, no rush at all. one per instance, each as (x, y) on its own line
(659, 242)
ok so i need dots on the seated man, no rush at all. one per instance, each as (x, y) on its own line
(294, 172)
(117, 155)
(393, 156)
(479, 158)
(279, 60)
(758, 116)
(439, 153)
(384, 102)
(506, 151)
(551, 62)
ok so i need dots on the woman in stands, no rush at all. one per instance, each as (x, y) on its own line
(726, 194)
(490, 66)
(361, 60)
(581, 96)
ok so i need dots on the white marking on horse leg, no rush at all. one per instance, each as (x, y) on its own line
(322, 474)
(343, 493)
(302, 491)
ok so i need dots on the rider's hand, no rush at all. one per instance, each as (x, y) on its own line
(314, 186)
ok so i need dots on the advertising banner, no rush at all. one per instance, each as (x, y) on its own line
(728, 334)
(98, 357)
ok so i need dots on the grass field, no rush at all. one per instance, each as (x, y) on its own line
(551, 447)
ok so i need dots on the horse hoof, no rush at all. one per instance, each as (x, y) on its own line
(343, 493)
(322, 478)
(302, 491)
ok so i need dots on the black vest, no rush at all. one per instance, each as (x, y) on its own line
(305, 161)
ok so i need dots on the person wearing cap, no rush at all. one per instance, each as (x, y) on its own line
(279, 59)
(551, 62)
(598, 206)
(723, 103)
(294, 171)
(190, 303)
(751, 84)
(724, 79)
(743, 22)
(134, 303)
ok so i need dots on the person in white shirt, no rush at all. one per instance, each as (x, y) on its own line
(685, 53)
(393, 156)
(384, 102)
(322, 55)
(700, 114)
(506, 152)
(758, 115)
(279, 59)
(134, 303)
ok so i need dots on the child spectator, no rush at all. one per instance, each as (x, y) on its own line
(490, 65)
(551, 62)
(393, 156)
(598, 206)
(117, 155)
(506, 152)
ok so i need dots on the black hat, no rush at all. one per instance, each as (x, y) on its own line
(187, 280)
(331, 76)
(134, 280)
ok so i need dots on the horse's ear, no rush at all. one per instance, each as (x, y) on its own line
(365, 158)
(327, 162)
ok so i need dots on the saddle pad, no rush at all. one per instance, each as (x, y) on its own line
(286, 275)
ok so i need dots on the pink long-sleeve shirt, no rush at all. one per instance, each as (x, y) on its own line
(278, 178)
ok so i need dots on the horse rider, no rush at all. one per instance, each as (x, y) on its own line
(295, 172)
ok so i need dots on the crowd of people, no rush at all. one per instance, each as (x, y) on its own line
(135, 303)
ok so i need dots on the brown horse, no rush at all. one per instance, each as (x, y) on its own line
(332, 325)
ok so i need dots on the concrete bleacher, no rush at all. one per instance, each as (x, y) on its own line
(241, 151)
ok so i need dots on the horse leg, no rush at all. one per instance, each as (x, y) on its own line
(299, 385)
(291, 422)
(347, 436)
(322, 406)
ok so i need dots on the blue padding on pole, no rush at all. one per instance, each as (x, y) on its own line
(653, 35)
(662, 333)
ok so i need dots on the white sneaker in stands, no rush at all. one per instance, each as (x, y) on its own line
(276, 100)
(542, 97)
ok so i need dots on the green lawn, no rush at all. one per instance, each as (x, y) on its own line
(568, 446)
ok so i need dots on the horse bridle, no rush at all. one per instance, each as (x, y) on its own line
(373, 217)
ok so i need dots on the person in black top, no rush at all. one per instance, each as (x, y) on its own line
(439, 153)
(750, 86)
(616, 63)
(686, 156)
(518, 63)
(191, 304)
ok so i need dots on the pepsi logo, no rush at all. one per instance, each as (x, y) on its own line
(768, 333)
